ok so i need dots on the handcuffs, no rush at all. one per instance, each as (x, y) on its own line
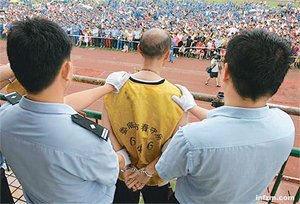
(137, 170)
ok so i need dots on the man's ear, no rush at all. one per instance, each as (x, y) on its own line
(66, 70)
(226, 73)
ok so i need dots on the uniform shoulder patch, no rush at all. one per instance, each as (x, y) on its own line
(98, 130)
(13, 98)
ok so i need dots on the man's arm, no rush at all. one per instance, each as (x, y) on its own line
(123, 157)
(200, 113)
(187, 103)
(106, 123)
(80, 100)
(174, 162)
(102, 166)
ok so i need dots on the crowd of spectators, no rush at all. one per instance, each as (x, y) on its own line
(198, 28)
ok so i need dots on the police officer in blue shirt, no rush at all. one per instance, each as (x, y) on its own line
(57, 155)
(235, 152)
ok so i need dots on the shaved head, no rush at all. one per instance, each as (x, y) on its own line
(155, 43)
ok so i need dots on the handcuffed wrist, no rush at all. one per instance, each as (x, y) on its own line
(144, 171)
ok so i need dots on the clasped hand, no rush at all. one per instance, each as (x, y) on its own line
(135, 180)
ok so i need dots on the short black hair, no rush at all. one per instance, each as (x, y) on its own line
(155, 43)
(258, 62)
(36, 49)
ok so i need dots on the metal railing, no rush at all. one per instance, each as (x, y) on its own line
(92, 114)
(294, 153)
(134, 41)
(198, 96)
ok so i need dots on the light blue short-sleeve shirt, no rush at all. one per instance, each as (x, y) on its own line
(56, 160)
(230, 157)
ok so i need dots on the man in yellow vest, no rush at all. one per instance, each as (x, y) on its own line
(142, 118)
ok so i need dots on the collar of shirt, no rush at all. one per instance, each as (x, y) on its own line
(54, 108)
(237, 112)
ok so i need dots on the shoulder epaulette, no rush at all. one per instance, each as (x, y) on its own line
(13, 98)
(98, 130)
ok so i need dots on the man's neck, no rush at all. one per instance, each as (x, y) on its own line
(232, 98)
(150, 71)
(245, 103)
(47, 96)
(153, 65)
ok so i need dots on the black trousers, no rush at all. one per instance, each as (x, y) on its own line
(176, 51)
(5, 195)
(151, 194)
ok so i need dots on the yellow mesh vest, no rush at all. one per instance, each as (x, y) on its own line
(15, 86)
(143, 117)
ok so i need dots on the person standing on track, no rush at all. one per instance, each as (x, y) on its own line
(215, 71)
(171, 57)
